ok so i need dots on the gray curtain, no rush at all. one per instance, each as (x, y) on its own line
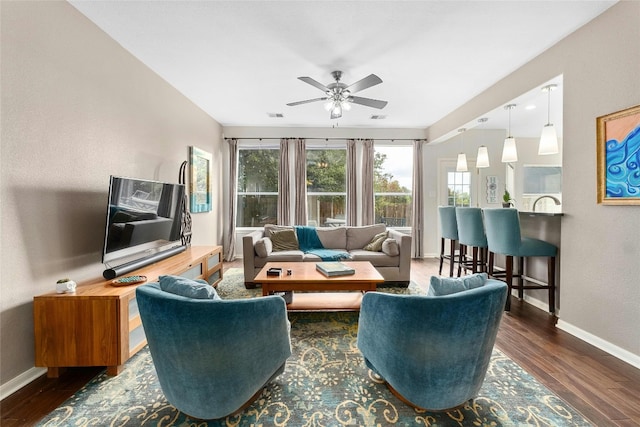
(417, 201)
(368, 151)
(300, 170)
(230, 227)
(352, 174)
(284, 188)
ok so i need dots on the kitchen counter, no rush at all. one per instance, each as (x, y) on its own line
(533, 214)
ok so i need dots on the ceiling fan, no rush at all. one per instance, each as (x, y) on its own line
(339, 96)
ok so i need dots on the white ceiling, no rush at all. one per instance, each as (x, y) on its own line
(239, 60)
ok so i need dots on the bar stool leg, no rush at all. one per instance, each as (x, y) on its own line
(474, 258)
(441, 255)
(452, 258)
(509, 280)
(520, 278)
(551, 280)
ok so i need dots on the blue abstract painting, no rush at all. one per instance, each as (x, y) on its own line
(623, 166)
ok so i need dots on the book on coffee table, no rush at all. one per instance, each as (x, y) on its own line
(331, 268)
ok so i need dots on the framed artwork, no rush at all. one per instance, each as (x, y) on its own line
(618, 157)
(200, 182)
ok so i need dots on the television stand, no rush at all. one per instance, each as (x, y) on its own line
(99, 324)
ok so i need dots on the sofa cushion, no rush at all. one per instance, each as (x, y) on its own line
(390, 247)
(263, 247)
(377, 259)
(358, 237)
(197, 289)
(375, 244)
(284, 240)
(272, 228)
(333, 237)
(451, 285)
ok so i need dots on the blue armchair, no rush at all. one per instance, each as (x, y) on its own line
(213, 356)
(433, 351)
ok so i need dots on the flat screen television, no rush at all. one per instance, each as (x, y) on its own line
(144, 218)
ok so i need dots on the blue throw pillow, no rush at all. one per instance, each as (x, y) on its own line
(449, 285)
(198, 289)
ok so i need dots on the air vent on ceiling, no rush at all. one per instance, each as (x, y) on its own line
(275, 115)
(378, 117)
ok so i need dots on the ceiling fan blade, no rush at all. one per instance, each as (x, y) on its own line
(315, 83)
(374, 103)
(306, 101)
(367, 82)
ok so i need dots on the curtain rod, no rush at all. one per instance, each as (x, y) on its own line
(330, 139)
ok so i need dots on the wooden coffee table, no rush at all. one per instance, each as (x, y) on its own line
(337, 293)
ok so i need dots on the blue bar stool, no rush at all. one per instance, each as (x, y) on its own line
(502, 226)
(471, 234)
(448, 230)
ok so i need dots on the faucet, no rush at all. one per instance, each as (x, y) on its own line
(555, 200)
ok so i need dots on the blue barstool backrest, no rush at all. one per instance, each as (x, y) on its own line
(502, 226)
(470, 227)
(448, 223)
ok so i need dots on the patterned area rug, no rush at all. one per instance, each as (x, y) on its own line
(325, 384)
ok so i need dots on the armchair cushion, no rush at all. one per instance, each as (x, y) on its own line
(447, 285)
(263, 247)
(178, 285)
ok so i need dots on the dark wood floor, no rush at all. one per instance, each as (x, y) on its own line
(603, 388)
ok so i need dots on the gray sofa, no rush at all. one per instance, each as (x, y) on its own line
(393, 262)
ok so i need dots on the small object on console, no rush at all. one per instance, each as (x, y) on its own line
(274, 271)
(128, 280)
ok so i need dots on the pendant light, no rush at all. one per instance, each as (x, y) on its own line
(482, 160)
(509, 151)
(461, 166)
(548, 139)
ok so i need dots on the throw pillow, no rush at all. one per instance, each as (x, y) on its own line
(390, 247)
(263, 247)
(375, 244)
(284, 240)
(450, 285)
(198, 289)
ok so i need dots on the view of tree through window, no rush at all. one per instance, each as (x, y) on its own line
(326, 186)
(459, 188)
(257, 187)
(392, 181)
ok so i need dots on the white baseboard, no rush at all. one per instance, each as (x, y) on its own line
(20, 381)
(612, 349)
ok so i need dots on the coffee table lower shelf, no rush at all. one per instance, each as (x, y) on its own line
(325, 301)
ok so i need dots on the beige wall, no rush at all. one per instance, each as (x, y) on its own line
(600, 271)
(76, 108)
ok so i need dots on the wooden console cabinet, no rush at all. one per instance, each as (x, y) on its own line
(99, 324)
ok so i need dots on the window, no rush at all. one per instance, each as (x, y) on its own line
(541, 181)
(257, 187)
(326, 186)
(392, 182)
(459, 189)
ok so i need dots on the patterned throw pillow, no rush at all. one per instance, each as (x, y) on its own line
(450, 285)
(198, 289)
(375, 245)
(284, 240)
